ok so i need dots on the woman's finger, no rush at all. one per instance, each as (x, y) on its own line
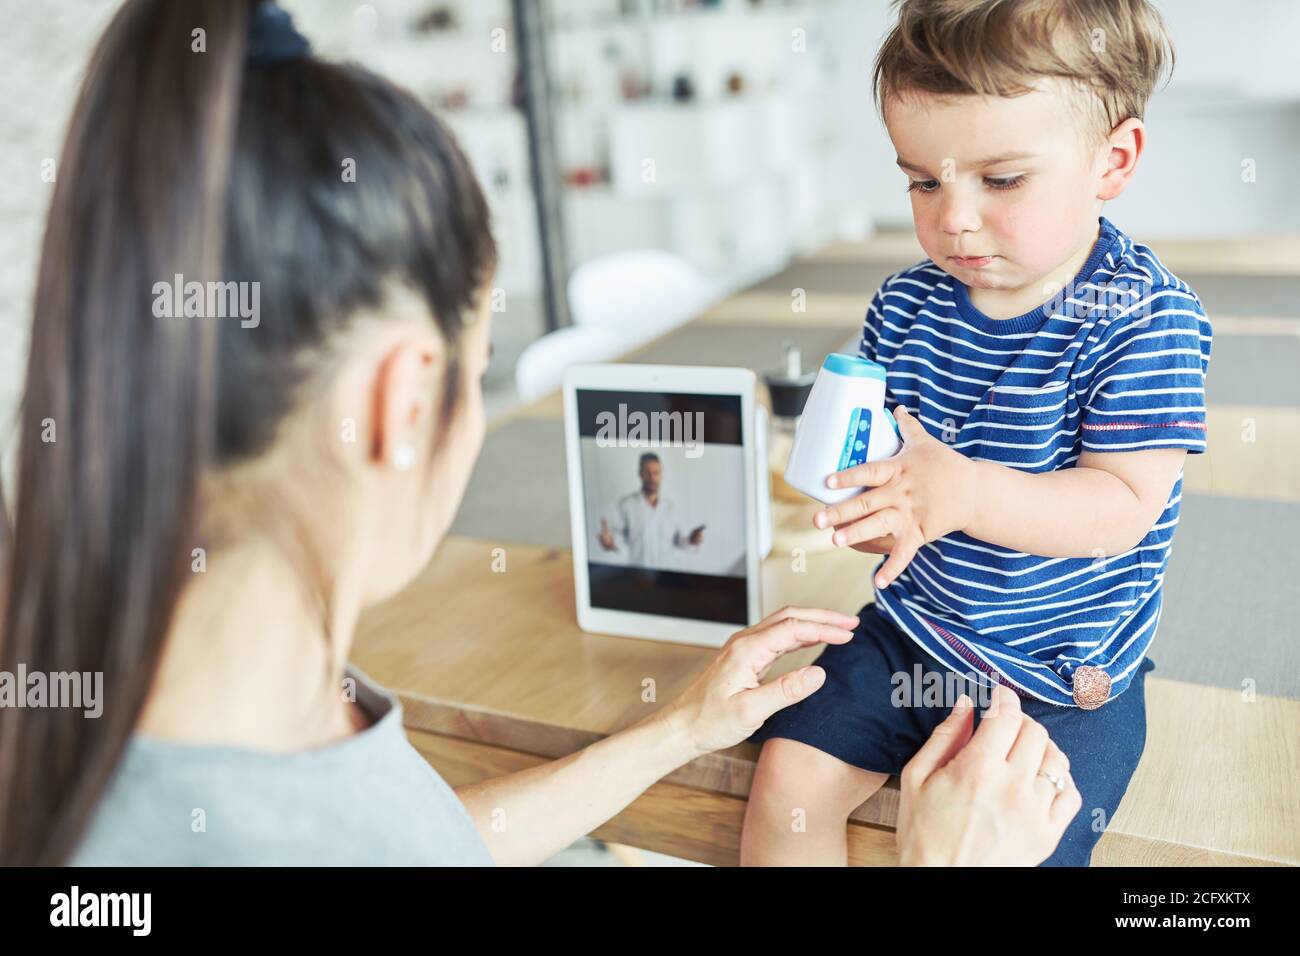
(760, 649)
(818, 615)
(945, 742)
(1030, 748)
(1055, 764)
(1055, 759)
(999, 726)
(759, 703)
(1064, 807)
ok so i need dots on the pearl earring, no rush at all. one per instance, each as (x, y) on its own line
(403, 457)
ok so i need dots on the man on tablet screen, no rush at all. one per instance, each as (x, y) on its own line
(643, 527)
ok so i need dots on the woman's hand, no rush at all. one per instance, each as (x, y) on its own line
(552, 804)
(726, 703)
(980, 800)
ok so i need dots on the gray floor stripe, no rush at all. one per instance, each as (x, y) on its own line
(519, 489)
(758, 347)
(814, 276)
(1254, 370)
(1230, 596)
(1244, 369)
(1221, 294)
(1247, 295)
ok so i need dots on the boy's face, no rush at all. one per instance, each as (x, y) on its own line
(1009, 180)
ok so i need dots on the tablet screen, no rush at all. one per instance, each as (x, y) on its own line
(663, 479)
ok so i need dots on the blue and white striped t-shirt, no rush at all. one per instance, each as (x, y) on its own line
(1116, 362)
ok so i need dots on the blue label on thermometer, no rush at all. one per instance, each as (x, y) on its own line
(858, 439)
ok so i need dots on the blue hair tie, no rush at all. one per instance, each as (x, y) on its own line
(272, 37)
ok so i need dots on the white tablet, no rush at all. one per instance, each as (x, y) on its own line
(662, 497)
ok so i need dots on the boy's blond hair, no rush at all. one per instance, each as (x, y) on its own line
(1117, 49)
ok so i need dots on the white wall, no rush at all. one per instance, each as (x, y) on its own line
(1234, 96)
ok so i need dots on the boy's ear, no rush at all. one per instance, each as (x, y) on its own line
(1122, 149)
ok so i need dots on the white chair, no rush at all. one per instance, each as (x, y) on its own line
(641, 289)
(617, 302)
(540, 367)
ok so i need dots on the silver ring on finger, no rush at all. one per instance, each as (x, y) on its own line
(1056, 780)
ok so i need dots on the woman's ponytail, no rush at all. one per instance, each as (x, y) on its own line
(186, 157)
(117, 416)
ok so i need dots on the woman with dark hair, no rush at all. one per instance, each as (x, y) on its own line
(222, 498)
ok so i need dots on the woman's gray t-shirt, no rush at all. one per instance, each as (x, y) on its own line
(368, 800)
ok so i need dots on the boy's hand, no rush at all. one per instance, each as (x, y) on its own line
(874, 546)
(923, 492)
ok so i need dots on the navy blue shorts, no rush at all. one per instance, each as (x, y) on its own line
(853, 716)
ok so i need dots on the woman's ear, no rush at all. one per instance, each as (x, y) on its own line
(1123, 148)
(402, 395)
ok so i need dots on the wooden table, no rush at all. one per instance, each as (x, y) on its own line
(495, 676)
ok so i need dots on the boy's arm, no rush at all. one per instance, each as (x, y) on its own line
(1104, 505)
(1108, 501)
(1143, 412)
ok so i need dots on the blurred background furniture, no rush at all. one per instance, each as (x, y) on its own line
(617, 302)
